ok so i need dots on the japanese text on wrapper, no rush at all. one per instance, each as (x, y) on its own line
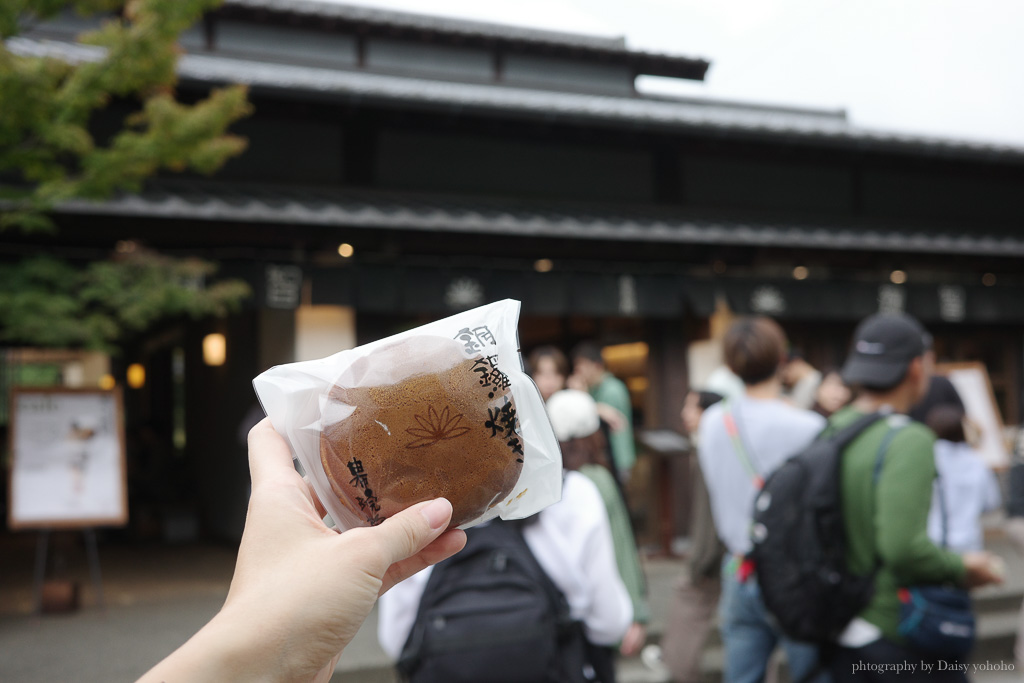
(490, 376)
(368, 501)
(502, 421)
(504, 424)
(476, 339)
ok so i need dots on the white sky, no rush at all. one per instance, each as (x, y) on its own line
(950, 68)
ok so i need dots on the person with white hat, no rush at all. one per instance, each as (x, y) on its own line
(577, 427)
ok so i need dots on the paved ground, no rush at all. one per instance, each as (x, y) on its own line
(158, 596)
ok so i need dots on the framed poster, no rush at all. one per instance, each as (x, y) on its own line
(972, 382)
(67, 459)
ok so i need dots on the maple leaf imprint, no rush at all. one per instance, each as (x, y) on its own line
(435, 427)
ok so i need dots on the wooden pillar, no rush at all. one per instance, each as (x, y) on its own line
(667, 372)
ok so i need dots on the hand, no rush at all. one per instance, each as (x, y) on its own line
(974, 433)
(634, 640)
(982, 568)
(576, 381)
(300, 590)
(614, 417)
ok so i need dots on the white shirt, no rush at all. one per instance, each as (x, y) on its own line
(970, 489)
(771, 432)
(805, 391)
(572, 542)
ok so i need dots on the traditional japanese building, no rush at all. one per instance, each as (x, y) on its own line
(402, 167)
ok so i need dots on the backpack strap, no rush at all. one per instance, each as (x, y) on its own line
(883, 449)
(876, 474)
(844, 436)
(554, 593)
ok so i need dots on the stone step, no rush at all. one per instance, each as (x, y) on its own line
(994, 601)
(990, 601)
(366, 675)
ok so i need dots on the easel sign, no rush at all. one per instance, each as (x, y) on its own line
(972, 382)
(67, 459)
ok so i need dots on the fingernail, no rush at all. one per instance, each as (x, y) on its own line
(437, 512)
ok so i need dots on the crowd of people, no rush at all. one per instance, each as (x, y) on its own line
(913, 493)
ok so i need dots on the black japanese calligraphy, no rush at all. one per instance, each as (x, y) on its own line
(368, 502)
(504, 424)
(358, 473)
(490, 377)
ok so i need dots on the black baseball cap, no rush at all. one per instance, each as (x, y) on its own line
(883, 347)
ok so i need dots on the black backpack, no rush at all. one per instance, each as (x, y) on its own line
(490, 613)
(799, 541)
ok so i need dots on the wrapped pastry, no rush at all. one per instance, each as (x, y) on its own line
(442, 410)
(446, 429)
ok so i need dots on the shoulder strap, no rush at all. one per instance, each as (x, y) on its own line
(732, 429)
(882, 450)
(943, 512)
(942, 509)
(844, 436)
(876, 474)
(576, 654)
(554, 593)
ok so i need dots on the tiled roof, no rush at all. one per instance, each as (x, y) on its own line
(432, 23)
(713, 117)
(218, 202)
(391, 22)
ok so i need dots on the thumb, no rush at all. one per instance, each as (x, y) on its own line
(408, 532)
(269, 455)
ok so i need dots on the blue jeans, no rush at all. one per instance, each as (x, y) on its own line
(750, 634)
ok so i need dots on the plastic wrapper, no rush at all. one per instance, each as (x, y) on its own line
(441, 410)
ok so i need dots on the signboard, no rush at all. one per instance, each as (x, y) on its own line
(283, 286)
(972, 383)
(67, 459)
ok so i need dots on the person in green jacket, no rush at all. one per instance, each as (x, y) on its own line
(576, 425)
(613, 404)
(890, 363)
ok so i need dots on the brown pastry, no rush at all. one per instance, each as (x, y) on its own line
(416, 420)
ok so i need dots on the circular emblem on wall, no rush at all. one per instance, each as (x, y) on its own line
(463, 293)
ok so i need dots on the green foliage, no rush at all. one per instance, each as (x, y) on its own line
(47, 152)
(48, 155)
(51, 303)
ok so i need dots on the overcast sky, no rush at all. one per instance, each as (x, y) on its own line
(949, 68)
